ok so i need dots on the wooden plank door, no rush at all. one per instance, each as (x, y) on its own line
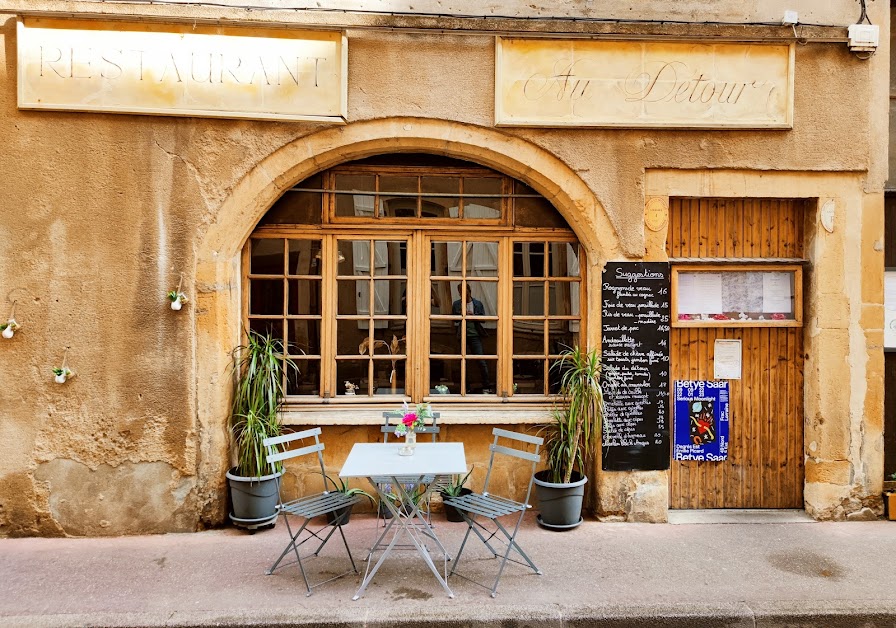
(764, 468)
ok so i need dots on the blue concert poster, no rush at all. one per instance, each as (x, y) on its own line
(701, 421)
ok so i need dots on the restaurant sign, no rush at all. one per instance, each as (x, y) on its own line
(181, 70)
(586, 83)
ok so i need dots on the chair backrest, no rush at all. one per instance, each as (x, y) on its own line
(393, 418)
(518, 449)
(279, 449)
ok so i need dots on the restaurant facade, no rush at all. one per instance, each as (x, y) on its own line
(429, 205)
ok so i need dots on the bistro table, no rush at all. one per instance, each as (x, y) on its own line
(430, 460)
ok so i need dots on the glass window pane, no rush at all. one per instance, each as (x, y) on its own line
(441, 296)
(482, 208)
(482, 185)
(304, 378)
(555, 376)
(390, 257)
(485, 298)
(304, 257)
(528, 337)
(266, 256)
(444, 377)
(295, 208)
(528, 377)
(446, 259)
(481, 376)
(560, 302)
(562, 335)
(353, 297)
(304, 337)
(528, 259)
(390, 297)
(351, 373)
(564, 260)
(304, 297)
(528, 298)
(355, 204)
(440, 185)
(388, 377)
(352, 337)
(394, 183)
(482, 259)
(267, 326)
(353, 257)
(398, 206)
(535, 212)
(266, 296)
(440, 207)
(443, 337)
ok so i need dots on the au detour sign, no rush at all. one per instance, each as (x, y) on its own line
(635, 344)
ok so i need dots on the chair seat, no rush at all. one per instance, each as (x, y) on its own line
(486, 505)
(320, 504)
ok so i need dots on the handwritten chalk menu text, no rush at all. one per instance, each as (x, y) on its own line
(635, 343)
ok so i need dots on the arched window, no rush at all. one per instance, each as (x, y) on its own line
(415, 277)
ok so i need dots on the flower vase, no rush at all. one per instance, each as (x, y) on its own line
(410, 442)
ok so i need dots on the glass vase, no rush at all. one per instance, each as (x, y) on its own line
(410, 442)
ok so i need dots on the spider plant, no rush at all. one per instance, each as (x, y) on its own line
(259, 366)
(571, 437)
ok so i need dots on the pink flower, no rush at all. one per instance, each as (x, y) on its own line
(720, 317)
(778, 317)
(409, 419)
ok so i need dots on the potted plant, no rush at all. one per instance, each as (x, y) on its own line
(258, 366)
(455, 488)
(62, 373)
(345, 514)
(571, 437)
(177, 299)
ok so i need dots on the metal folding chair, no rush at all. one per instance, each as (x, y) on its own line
(390, 421)
(491, 507)
(333, 503)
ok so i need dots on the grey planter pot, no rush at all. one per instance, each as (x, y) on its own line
(451, 513)
(559, 505)
(344, 513)
(254, 500)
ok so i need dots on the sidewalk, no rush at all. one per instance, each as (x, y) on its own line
(602, 574)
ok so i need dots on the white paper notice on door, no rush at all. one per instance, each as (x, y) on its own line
(777, 293)
(727, 359)
(699, 293)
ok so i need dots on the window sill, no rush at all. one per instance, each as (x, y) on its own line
(480, 414)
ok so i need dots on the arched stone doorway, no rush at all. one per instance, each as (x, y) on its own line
(218, 256)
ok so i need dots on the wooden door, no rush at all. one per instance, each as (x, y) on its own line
(764, 468)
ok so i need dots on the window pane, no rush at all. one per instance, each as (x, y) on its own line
(390, 297)
(304, 379)
(440, 207)
(564, 260)
(482, 185)
(528, 259)
(481, 377)
(352, 337)
(266, 297)
(353, 296)
(266, 257)
(295, 208)
(563, 335)
(398, 206)
(304, 296)
(485, 299)
(355, 204)
(528, 298)
(304, 257)
(440, 185)
(267, 326)
(390, 257)
(446, 259)
(482, 259)
(482, 208)
(388, 377)
(560, 302)
(444, 373)
(535, 212)
(304, 337)
(443, 337)
(555, 376)
(353, 257)
(528, 338)
(353, 372)
(528, 377)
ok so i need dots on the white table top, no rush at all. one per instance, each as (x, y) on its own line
(371, 459)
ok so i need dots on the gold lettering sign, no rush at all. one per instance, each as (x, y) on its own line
(643, 84)
(181, 70)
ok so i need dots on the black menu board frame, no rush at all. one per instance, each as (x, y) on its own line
(635, 325)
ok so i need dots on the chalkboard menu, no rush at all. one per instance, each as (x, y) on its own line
(635, 343)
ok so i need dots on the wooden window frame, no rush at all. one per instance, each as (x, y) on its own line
(796, 269)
